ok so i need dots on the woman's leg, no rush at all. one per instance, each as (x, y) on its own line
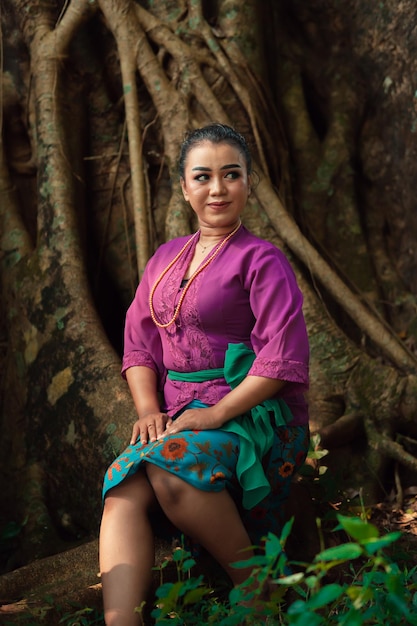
(126, 550)
(211, 518)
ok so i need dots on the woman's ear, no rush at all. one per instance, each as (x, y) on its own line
(184, 191)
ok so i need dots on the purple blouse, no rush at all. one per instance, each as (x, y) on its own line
(247, 294)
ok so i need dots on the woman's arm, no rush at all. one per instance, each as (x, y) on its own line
(151, 424)
(252, 391)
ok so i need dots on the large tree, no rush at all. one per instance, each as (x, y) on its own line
(96, 97)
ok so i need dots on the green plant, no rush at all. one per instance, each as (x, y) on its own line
(177, 602)
(376, 591)
(352, 584)
(37, 615)
(82, 617)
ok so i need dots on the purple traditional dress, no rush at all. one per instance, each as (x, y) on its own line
(245, 297)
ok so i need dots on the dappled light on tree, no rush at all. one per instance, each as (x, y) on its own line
(96, 97)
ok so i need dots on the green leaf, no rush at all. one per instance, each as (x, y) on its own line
(318, 454)
(179, 554)
(188, 564)
(344, 552)
(357, 528)
(272, 542)
(286, 531)
(301, 617)
(195, 595)
(401, 607)
(359, 596)
(236, 595)
(353, 618)
(255, 561)
(325, 595)
(168, 596)
(373, 545)
(298, 606)
(293, 579)
(311, 581)
(310, 619)
(164, 589)
(190, 584)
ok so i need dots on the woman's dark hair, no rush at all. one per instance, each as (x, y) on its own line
(215, 133)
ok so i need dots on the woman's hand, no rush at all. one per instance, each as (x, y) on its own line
(150, 427)
(251, 391)
(194, 419)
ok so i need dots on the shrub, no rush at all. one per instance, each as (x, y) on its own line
(351, 584)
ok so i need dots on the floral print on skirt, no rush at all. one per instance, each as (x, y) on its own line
(207, 460)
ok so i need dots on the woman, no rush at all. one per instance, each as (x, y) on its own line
(216, 325)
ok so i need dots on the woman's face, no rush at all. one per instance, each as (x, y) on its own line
(216, 184)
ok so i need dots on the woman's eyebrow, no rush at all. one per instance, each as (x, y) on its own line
(201, 168)
(230, 165)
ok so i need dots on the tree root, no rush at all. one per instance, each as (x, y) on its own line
(342, 431)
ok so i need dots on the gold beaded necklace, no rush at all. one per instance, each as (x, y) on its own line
(192, 277)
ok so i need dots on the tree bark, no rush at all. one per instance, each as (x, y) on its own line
(96, 99)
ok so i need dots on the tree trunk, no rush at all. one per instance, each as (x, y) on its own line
(96, 99)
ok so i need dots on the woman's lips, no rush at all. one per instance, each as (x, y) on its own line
(218, 205)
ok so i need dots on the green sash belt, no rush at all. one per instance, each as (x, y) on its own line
(255, 430)
(197, 377)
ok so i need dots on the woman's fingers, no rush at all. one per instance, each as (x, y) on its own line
(192, 419)
(147, 431)
(135, 433)
(149, 428)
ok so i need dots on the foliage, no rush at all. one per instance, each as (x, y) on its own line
(353, 583)
(331, 130)
(370, 587)
(35, 616)
(75, 239)
(184, 595)
(82, 617)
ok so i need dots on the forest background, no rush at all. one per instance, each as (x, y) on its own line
(96, 97)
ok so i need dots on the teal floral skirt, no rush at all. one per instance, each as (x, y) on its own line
(207, 460)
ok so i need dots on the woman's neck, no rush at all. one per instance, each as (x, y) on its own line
(212, 236)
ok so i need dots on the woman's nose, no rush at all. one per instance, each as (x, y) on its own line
(217, 186)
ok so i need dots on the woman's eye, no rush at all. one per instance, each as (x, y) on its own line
(204, 177)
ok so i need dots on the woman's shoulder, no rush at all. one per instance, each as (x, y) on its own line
(258, 246)
(259, 258)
